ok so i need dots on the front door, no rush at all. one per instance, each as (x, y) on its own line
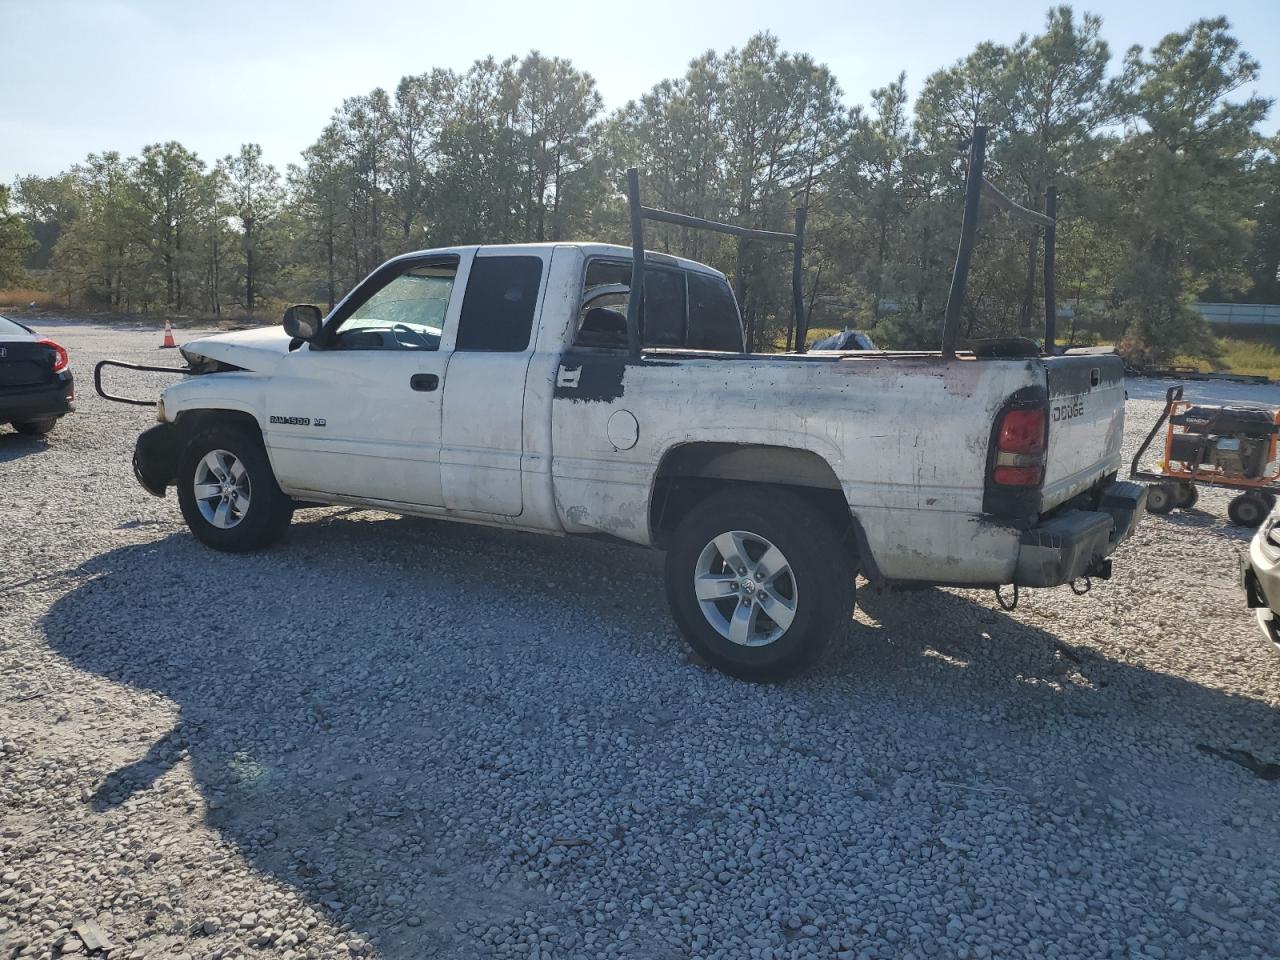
(359, 414)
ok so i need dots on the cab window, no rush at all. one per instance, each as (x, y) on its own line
(497, 312)
(714, 323)
(405, 313)
(682, 309)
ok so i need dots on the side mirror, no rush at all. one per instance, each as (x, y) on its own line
(302, 321)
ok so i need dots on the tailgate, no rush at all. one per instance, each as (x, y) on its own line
(1086, 423)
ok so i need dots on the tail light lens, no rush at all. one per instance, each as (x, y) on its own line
(1020, 447)
(60, 359)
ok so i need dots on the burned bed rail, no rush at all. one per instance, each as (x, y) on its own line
(145, 368)
(640, 213)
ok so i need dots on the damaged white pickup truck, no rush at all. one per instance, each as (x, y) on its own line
(496, 385)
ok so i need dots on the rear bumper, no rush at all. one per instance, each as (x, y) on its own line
(38, 402)
(155, 458)
(1077, 543)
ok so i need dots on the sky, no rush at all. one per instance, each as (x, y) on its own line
(85, 76)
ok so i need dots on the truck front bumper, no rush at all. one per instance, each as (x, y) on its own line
(155, 458)
(1077, 543)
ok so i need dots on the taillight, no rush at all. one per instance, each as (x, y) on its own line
(1020, 447)
(60, 360)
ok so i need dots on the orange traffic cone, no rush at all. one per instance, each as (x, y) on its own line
(168, 335)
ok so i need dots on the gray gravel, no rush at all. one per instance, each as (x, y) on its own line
(408, 739)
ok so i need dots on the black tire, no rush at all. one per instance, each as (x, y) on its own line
(1248, 510)
(819, 578)
(35, 428)
(1185, 496)
(269, 511)
(1160, 498)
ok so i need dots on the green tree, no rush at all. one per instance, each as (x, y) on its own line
(1263, 260)
(167, 196)
(48, 205)
(1183, 181)
(98, 254)
(253, 197)
(15, 241)
(1059, 100)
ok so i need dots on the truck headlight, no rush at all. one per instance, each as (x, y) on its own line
(160, 411)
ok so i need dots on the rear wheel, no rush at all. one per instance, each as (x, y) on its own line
(758, 582)
(1248, 510)
(35, 428)
(1160, 498)
(227, 491)
(1185, 496)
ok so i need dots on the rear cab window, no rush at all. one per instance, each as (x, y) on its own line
(682, 309)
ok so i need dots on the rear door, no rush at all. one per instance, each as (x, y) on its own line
(1086, 423)
(482, 439)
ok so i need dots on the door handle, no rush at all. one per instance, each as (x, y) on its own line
(424, 381)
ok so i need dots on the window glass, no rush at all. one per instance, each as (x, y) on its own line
(713, 315)
(663, 317)
(405, 314)
(498, 309)
(602, 321)
(11, 327)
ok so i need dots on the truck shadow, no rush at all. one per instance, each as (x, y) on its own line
(371, 713)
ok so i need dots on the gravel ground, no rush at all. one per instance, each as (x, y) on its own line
(402, 738)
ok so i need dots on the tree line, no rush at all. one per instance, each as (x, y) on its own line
(1167, 189)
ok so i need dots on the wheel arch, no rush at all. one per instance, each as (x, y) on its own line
(159, 450)
(690, 472)
(188, 421)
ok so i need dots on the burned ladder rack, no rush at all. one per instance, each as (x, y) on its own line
(641, 213)
(976, 185)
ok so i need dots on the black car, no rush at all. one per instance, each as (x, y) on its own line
(36, 386)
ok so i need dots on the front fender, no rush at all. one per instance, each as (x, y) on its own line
(241, 391)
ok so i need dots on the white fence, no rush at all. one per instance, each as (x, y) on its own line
(1241, 314)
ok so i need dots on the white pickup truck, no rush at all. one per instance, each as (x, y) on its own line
(494, 385)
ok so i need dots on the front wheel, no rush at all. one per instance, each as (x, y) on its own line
(228, 492)
(758, 581)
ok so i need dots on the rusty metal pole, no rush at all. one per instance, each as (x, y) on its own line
(635, 302)
(968, 228)
(1050, 296)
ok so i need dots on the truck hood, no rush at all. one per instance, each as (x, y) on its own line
(256, 350)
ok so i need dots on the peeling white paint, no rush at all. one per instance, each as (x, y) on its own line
(530, 439)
